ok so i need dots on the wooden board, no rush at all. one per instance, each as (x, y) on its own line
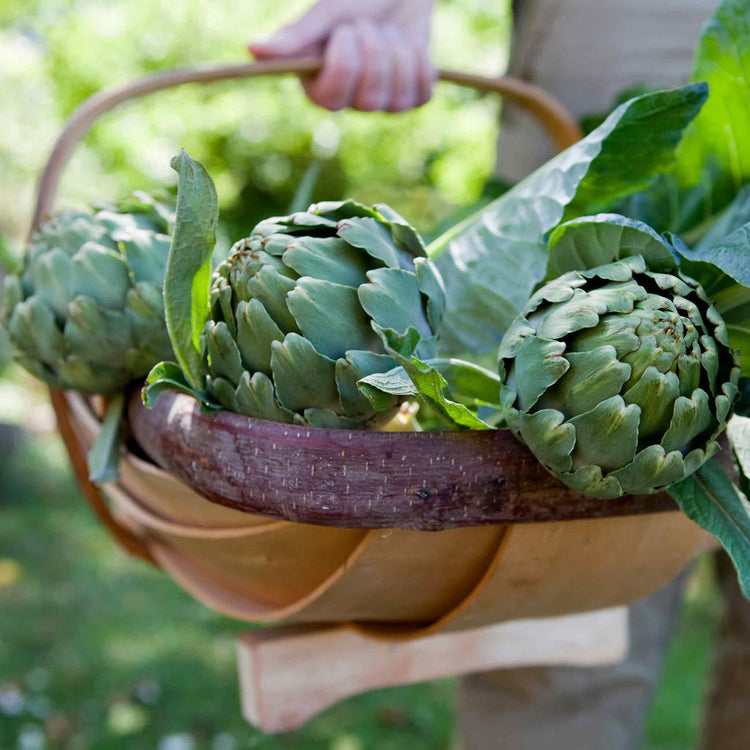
(288, 675)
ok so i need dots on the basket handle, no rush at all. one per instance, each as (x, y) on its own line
(559, 124)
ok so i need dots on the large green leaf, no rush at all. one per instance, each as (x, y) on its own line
(731, 254)
(709, 498)
(731, 219)
(188, 277)
(722, 130)
(492, 261)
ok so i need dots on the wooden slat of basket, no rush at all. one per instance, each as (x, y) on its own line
(386, 575)
(559, 568)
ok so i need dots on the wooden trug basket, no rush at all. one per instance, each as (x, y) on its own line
(403, 534)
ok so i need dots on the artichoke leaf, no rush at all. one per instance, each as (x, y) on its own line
(303, 377)
(592, 241)
(329, 258)
(223, 354)
(655, 392)
(101, 274)
(590, 480)
(691, 417)
(51, 280)
(352, 368)
(331, 317)
(592, 377)
(549, 437)
(146, 254)
(372, 237)
(652, 469)
(329, 420)
(224, 391)
(32, 323)
(271, 288)
(607, 435)
(101, 335)
(544, 362)
(492, 261)
(255, 398)
(255, 333)
(393, 300)
(431, 284)
(169, 376)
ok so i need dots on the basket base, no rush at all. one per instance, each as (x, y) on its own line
(288, 675)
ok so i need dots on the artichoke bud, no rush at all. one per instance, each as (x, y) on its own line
(297, 306)
(86, 310)
(619, 379)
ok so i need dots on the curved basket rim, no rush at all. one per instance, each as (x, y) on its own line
(317, 476)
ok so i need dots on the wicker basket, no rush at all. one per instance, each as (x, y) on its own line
(401, 533)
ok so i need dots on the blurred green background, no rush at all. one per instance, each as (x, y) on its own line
(98, 651)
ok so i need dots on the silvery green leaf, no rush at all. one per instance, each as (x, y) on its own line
(146, 255)
(256, 331)
(271, 288)
(713, 159)
(188, 275)
(101, 274)
(393, 300)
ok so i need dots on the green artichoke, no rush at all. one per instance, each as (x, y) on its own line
(619, 379)
(86, 312)
(297, 308)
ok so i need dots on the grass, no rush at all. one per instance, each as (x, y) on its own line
(99, 651)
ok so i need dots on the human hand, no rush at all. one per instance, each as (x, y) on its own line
(375, 53)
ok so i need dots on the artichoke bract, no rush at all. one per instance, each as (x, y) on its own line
(296, 309)
(618, 379)
(86, 311)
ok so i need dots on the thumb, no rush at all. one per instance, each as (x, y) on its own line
(294, 39)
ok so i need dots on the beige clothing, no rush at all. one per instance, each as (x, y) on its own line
(586, 52)
(571, 708)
